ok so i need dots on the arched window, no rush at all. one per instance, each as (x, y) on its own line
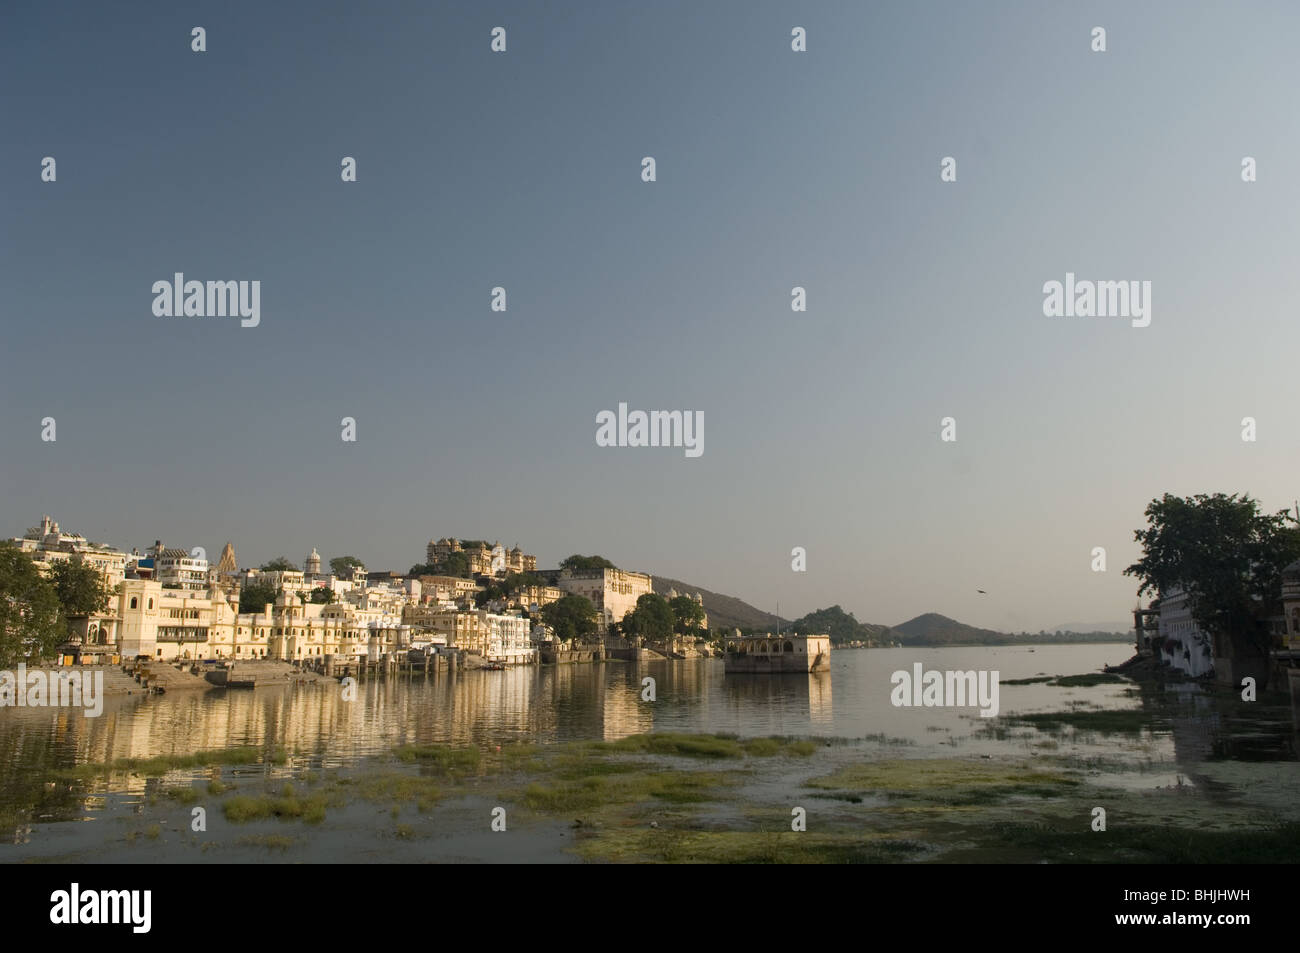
(150, 603)
(789, 646)
(135, 603)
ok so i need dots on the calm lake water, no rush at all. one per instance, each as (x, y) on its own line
(603, 701)
(1183, 730)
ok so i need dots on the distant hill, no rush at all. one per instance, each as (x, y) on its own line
(935, 629)
(728, 612)
(842, 627)
(725, 612)
(1093, 627)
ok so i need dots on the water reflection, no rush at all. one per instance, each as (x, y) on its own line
(783, 695)
(1207, 725)
(1184, 725)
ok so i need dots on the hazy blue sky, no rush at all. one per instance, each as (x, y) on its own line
(775, 169)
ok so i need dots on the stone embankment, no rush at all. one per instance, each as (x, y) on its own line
(155, 677)
(270, 672)
(129, 680)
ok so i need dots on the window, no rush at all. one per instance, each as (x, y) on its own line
(135, 602)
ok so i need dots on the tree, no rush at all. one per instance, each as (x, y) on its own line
(322, 595)
(688, 615)
(456, 564)
(841, 626)
(489, 593)
(31, 626)
(521, 580)
(570, 617)
(340, 565)
(81, 588)
(255, 598)
(586, 563)
(279, 564)
(1226, 555)
(651, 619)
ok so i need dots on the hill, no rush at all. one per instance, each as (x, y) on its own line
(725, 612)
(1093, 627)
(934, 629)
(842, 627)
(728, 612)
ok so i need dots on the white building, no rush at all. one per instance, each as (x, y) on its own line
(47, 544)
(1181, 641)
(508, 638)
(613, 592)
(290, 580)
(170, 623)
(177, 569)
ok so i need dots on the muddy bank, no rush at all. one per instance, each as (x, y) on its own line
(1148, 668)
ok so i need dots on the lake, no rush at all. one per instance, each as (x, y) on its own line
(1133, 737)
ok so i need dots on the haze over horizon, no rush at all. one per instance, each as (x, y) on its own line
(775, 169)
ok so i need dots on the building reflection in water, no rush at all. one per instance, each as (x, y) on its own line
(1208, 725)
(525, 704)
(787, 700)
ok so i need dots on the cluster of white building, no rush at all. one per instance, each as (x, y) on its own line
(172, 604)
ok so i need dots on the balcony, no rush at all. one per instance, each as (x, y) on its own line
(182, 634)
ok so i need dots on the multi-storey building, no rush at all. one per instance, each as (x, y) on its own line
(495, 636)
(477, 552)
(1182, 643)
(483, 559)
(508, 638)
(533, 598)
(290, 580)
(307, 630)
(47, 544)
(452, 588)
(459, 628)
(171, 623)
(613, 592)
(177, 569)
(519, 561)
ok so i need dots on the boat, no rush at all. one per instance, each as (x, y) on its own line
(777, 654)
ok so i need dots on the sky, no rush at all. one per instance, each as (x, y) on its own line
(775, 169)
